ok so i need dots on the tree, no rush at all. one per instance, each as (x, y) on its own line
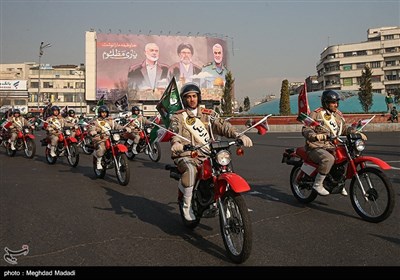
(246, 103)
(226, 102)
(284, 103)
(240, 109)
(365, 93)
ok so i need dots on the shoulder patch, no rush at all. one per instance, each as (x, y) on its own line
(179, 111)
(339, 113)
(318, 109)
(206, 111)
(208, 64)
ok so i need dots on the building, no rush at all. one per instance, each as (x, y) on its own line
(62, 85)
(340, 66)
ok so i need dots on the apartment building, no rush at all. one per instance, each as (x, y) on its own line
(340, 66)
(62, 85)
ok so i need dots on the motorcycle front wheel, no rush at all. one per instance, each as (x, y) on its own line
(73, 156)
(122, 169)
(379, 201)
(99, 173)
(236, 232)
(49, 158)
(155, 152)
(303, 193)
(87, 146)
(30, 149)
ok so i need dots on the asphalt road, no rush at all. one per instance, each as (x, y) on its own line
(69, 218)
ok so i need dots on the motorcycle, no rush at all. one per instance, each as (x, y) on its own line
(66, 146)
(84, 138)
(25, 141)
(144, 145)
(371, 193)
(218, 184)
(114, 157)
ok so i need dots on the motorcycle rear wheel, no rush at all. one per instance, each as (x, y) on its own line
(380, 196)
(30, 149)
(302, 193)
(122, 169)
(237, 232)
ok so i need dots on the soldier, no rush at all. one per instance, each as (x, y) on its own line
(135, 123)
(17, 123)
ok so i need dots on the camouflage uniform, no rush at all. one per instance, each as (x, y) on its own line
(16, 125)
(54, 127)
(135, 123)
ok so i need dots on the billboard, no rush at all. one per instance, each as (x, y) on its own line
(141, 66)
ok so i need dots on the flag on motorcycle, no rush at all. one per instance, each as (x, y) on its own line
(307, 120)
(361, 123)
(169, 103)
(302, 102)
(122, 103)
(262, 127)
(100, 102)
(64, 112)
(47, 111)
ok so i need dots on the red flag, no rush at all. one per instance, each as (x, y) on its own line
(303, 101)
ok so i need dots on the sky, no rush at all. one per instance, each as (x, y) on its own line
(269, 41)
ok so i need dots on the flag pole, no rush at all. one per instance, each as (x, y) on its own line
(366, 123)
(254, 125)
(159, 126)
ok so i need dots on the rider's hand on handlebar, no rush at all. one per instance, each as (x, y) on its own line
(93, 133)
(363, 136)
(246, 140)
(177, 147)
(127, 129)
(320, 137)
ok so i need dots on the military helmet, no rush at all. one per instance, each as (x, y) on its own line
(187, 88)
(16, 111)
(55, 108)
(103, 108)
(135, 108)
(329, 96)
(71, 112)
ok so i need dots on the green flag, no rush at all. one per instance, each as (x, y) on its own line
(169, 103)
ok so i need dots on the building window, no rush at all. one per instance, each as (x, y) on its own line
(376, 51)
(53, 97)
(48, 85)
(360, 65)
(376, 64)
(347, 67)
(348, 82)
(34, 84)
(69, 97)
(19, 102)
(390, 50)
(388, 37)
(391, 63)
(375, 79)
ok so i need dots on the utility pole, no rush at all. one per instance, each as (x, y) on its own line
(42, 47)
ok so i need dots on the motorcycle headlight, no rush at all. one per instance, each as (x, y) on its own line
(148, 130)
(223, 157)
(116, 137)
(27, 131)
(84, 128)
(68, 132)
(360, 145)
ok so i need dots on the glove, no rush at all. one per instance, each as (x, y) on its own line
(363, 136)
(177, 147)
(93, 133)
(127, 129)
(246, 140)
(320, 137)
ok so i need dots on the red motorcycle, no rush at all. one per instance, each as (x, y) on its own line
(25, 141)
(144, 145)
(84, 138)
(66, 146)
(218, 184)
(371, 193)
(114, 157)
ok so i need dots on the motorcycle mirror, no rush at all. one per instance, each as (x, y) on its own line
(239, 151)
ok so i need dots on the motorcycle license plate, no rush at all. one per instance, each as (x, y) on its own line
(308, 169)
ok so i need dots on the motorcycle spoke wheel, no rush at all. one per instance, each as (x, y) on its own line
(379, 201)
(99, 173)
(122, 169)
(49, 158)
(73, 157)
(86, 146)
(10, 152)
(236, 232)
(155, 152)
(30, 149)
(302, 193)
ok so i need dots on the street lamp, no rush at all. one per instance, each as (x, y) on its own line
(42, 47)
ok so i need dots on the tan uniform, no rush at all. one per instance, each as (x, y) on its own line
(321, 152)
(101, 126)
(214, 126)
(54, 127)
(136, 124)
(17, 124)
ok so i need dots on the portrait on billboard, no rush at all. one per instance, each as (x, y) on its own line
(141, 67)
